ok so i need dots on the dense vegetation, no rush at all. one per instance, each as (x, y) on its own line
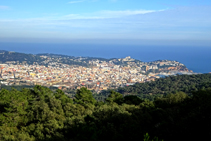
(163, 86)
(159, 88)
(40, 114)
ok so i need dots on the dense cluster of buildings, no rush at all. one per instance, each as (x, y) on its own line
(101, 76)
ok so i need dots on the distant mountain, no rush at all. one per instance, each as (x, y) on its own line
(41, 59)
(8, 56)
(54, 55)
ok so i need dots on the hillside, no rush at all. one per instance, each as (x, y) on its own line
(15, 57)
(10, 57)
(40, 114)
(167, 85)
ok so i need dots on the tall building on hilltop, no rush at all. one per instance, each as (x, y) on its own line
(147, 68)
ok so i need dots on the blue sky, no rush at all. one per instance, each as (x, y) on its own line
(134, 20)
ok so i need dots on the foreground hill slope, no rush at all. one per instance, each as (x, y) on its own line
(40, 114)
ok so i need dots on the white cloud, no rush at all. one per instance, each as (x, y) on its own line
(2, 7)
(108, 14)
(180, 23)
(77, 16)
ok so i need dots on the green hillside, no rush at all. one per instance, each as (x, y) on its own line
(167, 85)
(40, 114)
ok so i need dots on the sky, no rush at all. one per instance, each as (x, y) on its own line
(139, 21)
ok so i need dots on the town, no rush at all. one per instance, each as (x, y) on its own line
(102, 75)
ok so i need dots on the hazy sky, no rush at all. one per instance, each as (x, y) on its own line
(159, 20)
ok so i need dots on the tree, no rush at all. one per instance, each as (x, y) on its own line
(115, 97)
(64, 98)
(132, 100)
(84, 97)
(147, 138)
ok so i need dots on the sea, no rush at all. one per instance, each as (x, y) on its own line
(197, 59)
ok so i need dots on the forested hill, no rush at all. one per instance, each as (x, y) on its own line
(167, 85)
(38, 114)
(15, 57)
(170, 84)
